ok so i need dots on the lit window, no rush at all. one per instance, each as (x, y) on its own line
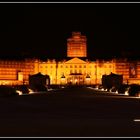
(80, 66)
(75, 66)
(70, 66)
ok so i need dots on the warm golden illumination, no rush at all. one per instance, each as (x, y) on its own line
(126, 92)
(19, 92)
(76, 45)
(73, 71)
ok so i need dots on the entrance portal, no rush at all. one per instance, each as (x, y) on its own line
(75, 79)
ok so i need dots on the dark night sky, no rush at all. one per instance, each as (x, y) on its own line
(41, 30)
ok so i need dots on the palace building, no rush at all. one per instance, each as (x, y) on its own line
(77, 69)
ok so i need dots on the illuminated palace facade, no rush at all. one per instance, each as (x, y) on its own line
(75, 70)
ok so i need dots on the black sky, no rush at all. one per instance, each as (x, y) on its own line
(41, 30)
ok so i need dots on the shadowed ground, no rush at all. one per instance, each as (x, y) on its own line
(70, 112)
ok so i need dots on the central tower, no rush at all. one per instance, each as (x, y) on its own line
(76, 45)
